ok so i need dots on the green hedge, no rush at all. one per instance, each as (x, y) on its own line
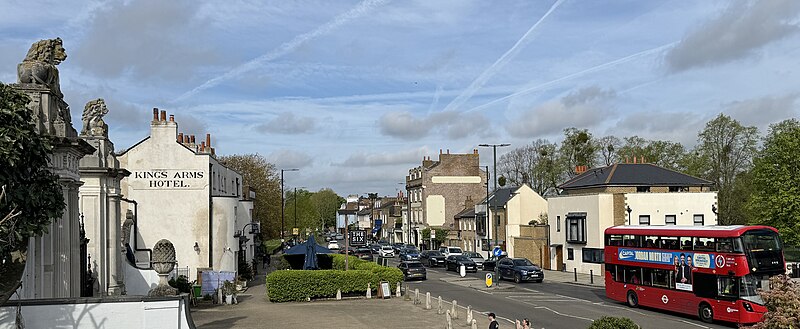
(390, 274)
(299, 285)
(608, 322)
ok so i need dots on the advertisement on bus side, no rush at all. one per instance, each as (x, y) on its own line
(683, 262)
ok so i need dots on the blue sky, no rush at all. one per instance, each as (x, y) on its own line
(354, 93)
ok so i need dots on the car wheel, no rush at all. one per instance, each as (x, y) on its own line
(633, 300)
(517, 278)
(706, 313)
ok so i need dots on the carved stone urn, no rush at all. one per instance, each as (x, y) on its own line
(163, 260)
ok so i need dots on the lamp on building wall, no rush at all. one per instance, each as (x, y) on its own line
(628, 209)
(714, 208)
(196, 247)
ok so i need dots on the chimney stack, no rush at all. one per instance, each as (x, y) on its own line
(155, 114)
(180, 138)
(163, 115)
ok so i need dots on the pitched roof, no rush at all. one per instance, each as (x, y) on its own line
(632, 174)
(468, 212)
(501, 196)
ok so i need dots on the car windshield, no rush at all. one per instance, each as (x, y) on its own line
(473, 255)
(462, 257)
(455, 250)
(522, 262)
(362, 250)
(386, 248)
(434, 253)
(414, 265)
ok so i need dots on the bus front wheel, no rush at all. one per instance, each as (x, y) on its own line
(633, 300)
(706, 313)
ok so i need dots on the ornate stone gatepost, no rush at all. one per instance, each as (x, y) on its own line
(53, 266)
(163, 263)
(100, 201)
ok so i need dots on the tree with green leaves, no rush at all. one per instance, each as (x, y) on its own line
(264, 178)
(776, 182)
(441, 236)
(725, 151)
(662, 153)
(537, 164)
(327, 202)
(30, 195)
(578, 149)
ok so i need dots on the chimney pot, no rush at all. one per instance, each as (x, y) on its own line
(202, 146)
(171, 118)
(192, 139)
(180, 138)
(155, 114)
(163, 115)
(440, 151)
(448, 151)
(208, 140)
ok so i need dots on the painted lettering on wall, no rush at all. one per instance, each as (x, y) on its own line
(168, 178)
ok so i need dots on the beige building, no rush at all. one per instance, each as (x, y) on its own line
(437, 190)
(621, 194)
(180, 192)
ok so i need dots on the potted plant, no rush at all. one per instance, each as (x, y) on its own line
(229, 290)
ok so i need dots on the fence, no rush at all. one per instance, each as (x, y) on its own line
(178, 271)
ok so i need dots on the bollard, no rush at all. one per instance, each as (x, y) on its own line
(416, 296)
(369, 291)
(338, 294)
(591, 277)
(439, 310)
(469, 314)
(575, 270)
(407, 295)
(455, 309)
(474, 324)
(397, 292)
(449, 320)
(427, 300)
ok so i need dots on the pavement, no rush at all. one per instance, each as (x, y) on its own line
(255, 311)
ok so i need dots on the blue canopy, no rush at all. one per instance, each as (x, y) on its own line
(302, 248)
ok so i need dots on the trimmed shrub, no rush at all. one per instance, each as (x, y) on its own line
(610, 322)
(181, 283)
(279, 263)
(389, 274)
(299, 285)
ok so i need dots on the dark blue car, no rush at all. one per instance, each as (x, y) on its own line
(518, 269)
(409, 254)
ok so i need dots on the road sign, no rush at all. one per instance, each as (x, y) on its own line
(433, 234)
(358, 238)
(295, 231)
(497, 251)
(488, 280)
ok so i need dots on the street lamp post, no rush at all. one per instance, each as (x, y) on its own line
(494, 155)
(283, 215)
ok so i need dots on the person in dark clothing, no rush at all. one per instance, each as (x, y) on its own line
(492, 322)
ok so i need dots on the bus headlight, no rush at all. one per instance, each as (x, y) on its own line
(747, 306)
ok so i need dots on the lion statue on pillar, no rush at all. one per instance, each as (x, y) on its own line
(93, 124)
(39, 66)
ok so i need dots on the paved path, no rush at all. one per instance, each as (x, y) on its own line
(255, 311)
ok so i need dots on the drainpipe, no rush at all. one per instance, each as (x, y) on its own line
(136, 236)
(210, 217)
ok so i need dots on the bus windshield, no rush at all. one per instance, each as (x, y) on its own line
(764, 251)
(748, 289)
(761, 241)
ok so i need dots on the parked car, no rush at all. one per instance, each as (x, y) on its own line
(450, 251)
(333, 245)
(453, 262)
(432, 257)
(364, 253)
(476, 257)
(413, 270)
(386, 251)
(374, 248)
(339, 236)
(489, 263)
(409, 254)
(519, 269)
(396, 246)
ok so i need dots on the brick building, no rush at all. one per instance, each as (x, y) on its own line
(437, 190)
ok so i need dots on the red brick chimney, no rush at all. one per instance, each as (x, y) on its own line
(580, 169)
(180, 138)
(163, 116)
(155, 114)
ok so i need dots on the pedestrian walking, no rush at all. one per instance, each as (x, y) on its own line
(493, 322)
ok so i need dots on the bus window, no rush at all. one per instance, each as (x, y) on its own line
(614, 240)
(651, 242)
(661, 278)
(704, 244)
(669, 242)
(620, 274)
(631, 240)
(686, 243)
(727, 286)
(633, 275)
(728, 245)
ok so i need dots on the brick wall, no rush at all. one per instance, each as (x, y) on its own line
(532, 244)
(620, 215)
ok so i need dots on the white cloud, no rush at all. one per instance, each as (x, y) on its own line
(288, 123)
(740, 30)
(374, 159)
(453, 124)
(584, 108)
(285, 158)
(761, 112)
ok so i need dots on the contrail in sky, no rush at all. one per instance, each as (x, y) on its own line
(288, 47)
(589, 70)
(498, 64)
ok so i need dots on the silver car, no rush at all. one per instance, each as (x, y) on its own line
(476, 257)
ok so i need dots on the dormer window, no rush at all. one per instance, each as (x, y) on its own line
(643, 189)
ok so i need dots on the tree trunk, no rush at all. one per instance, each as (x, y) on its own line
(11, 273)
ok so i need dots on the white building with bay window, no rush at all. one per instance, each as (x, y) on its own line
(621, 194)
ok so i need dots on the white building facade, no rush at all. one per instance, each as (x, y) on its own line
(180, 192)
(621, 194)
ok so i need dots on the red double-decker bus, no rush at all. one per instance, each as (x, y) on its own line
(711, 271)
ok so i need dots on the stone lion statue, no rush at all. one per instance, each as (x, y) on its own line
(39, 66)
(93, 124)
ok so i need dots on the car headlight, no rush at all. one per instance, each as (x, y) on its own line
(524, 272)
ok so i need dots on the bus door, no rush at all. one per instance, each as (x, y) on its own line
(719, 291)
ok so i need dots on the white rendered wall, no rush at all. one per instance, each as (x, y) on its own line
(599, 216)
(683, 205)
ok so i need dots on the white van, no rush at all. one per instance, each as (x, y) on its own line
(449, 251)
